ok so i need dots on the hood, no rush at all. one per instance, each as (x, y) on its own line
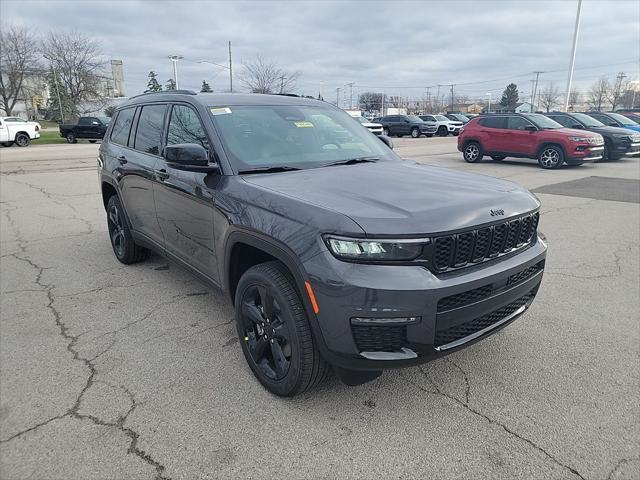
(574, 131)
(372, 125)
(606, 130)
(402, 197)
(455, 122)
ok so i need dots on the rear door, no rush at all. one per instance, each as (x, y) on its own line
(519, 140)
(139, 160)
(184, 203)
(492, 135)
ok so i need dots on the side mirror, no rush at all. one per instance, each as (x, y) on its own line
(189, 156)
(531, 128)
(386, 140)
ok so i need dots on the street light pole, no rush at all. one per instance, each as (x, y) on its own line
(230, 70)
(572, 62)
(174, 59)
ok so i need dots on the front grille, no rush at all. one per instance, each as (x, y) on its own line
(475, 246)
(379, 338)
(457, 332)
(471, 296)
(526, 273)
(464, 298)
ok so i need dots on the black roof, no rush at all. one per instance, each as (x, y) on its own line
(222, 99)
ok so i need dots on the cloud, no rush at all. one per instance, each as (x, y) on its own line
(377, 45)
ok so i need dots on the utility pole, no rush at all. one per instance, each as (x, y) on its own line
(351, 95)
(535, 88)
(531, 100)
(338, 97)
(428, 101)
(452, 85)
(621, 76)
(230, 70)
(572, 62)
(174, 59)
(438, 99)
(281, 83)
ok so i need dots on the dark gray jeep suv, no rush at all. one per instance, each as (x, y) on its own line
(334, 251)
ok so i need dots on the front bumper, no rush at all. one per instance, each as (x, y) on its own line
(586, 153)
(444, 312)
(428, 130)
(454, 128)
(375, 130)
(626, 150)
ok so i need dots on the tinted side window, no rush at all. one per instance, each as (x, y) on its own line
(149, 131)
(84, 121)
(185, 127)
(517, 123)
(122, 126)
(603, 118)
(495, 122)
(563, 120)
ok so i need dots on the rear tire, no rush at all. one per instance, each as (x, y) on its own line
(472, 152)
(22, 140)
(551, 157)
(7, 144)
(415, 133)
(124, 247)
(71, 138)
(274, 331)
(93, 141)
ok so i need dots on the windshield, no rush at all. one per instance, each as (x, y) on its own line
(441, 118)
(293, 136)
(622, 119)
(541, 121)
(586, 120)
(414, 118)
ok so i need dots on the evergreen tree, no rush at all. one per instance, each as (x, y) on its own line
(510, 96)
(153, 85)
(171, 84)
(69, 109)
(205, 87)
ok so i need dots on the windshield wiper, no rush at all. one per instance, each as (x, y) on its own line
(353, 161)
(272, 169)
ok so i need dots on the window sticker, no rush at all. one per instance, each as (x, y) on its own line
(303, 124)
(220, 110)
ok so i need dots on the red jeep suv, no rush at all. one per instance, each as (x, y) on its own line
(528, 135)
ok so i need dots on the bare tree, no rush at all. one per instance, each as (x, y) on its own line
(75, 59)
(598, 93)
(549, 97)
(616, 91)
(263, 76)
(18, 58)
(370, 101)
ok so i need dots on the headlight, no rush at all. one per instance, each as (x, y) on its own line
(376, 250)
(580, 139)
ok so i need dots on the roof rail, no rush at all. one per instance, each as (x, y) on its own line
(183, 92)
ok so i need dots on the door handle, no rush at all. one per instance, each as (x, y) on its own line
(122, 159)
(161, 174)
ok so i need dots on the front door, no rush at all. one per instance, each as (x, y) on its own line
(184, 200)
(519, 140)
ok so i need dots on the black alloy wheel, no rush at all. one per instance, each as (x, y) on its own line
(124, 247)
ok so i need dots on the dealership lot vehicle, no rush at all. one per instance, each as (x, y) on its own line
(166, 180)
(457, 117)
(166, 351)
(400, 125)
(375, 128)
(90, 128)
(14, 130)
(635, 116)
(444, 126)
(618, 142)
(613, 119)
(528, 135)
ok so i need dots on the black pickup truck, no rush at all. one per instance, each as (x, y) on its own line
(90, 128)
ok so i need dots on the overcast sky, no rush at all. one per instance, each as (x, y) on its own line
(378, 45)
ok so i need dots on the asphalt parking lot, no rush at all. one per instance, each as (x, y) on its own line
(116, 372)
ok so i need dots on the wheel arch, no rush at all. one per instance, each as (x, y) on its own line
(551, 144)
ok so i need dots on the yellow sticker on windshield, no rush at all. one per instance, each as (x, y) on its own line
(220, 110)
(303, 124)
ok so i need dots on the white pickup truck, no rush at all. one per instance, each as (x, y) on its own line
(18, 131)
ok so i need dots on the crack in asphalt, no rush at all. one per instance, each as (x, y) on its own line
(615, 272)
(74, 411)
(620, 463)
(438, 391)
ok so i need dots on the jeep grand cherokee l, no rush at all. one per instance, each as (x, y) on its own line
(528, 135)
(618, 142)
(333, 250)
(400, 125)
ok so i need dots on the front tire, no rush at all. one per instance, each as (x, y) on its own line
(124, 247)
(551, 157)
(93, 141)
(472, 152)
(415, 133)
(22, 140)
(71, 138)
(442, 131)
(385, 131)
(274, 331)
